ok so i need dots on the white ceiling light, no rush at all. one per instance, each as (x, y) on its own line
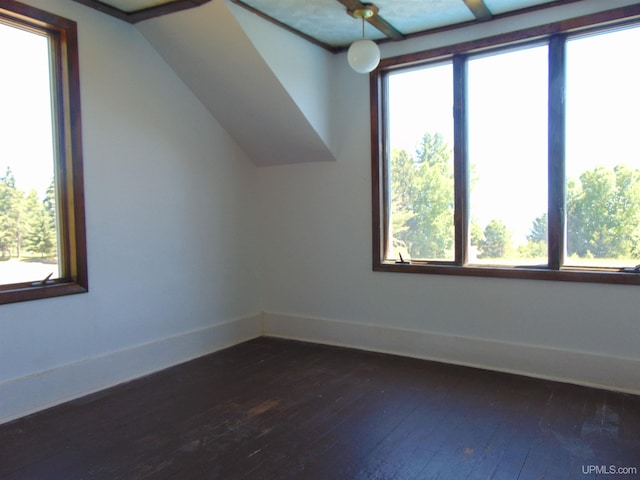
(364, 55)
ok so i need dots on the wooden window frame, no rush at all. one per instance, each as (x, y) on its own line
(68, 155)
(554, 34)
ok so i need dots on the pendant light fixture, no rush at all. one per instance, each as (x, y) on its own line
(364, 55)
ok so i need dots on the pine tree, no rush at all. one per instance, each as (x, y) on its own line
(41, 237)
(496, 240)
(433, 199)
(7, 213)
(49, 201)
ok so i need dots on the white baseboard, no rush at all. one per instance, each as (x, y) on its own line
(582, 368)
(29, 394)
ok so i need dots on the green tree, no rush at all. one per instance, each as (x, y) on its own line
(21, 211)
(422, 198)
(627, 211)
(25, 220)
(8, 203)
(603, 213)
(496, 240)
(402, 192)
(41, 236)
(433, 201)
(49, 201)
(475, 234)
(536, 246)
(539, 229)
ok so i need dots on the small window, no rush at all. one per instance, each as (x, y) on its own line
(42, 233)
(513, 156)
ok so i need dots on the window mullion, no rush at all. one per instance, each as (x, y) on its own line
(460, 159)
(557, 77)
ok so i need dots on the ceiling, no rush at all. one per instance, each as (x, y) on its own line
(272, 92)
(327, 22)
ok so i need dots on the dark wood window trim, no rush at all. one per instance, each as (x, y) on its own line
(68, 155)
(148, 13)
(554, 34)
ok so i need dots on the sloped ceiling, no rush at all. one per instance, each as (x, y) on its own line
(211, 52)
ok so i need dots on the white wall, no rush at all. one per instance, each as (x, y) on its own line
(318, 278)
(303, 69)
(209, 49)
(188, 241)
(171, 232)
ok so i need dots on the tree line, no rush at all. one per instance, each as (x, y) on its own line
(602, 205)
(26, 223)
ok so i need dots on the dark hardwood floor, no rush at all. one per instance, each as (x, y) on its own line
(275, 409)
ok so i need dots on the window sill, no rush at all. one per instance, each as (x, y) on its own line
(21, 293)
(566, 274)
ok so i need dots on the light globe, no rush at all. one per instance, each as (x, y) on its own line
(363, 56)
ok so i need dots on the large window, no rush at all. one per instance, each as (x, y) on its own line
(513, 156)
(42, 236)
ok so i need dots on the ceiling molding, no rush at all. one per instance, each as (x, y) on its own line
(145, 13)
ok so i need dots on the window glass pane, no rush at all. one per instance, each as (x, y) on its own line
(28, 239)
(420, 141)
(602, 160)
(507, 142)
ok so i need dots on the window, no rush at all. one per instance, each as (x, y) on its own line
(512, 156)
(42, 232)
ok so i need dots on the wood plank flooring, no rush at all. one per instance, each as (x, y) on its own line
(276, 409)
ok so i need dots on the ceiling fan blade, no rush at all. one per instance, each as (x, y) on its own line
(376, 21)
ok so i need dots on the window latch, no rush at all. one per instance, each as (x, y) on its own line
(402, 261)
(47, 281)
